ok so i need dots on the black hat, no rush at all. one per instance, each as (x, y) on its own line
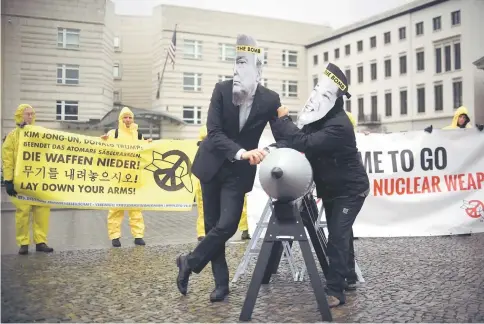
(337, 76)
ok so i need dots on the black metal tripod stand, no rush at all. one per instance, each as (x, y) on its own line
(286, 224)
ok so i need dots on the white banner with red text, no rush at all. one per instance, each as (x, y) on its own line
(421, 184)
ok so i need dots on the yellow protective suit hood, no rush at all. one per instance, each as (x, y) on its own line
(19, 114)
(126, 112)
(352, 118)
(11, 143)
(460, 111)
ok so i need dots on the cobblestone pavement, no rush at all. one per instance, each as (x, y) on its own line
(434, 279)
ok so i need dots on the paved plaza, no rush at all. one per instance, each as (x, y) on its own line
(431, 279)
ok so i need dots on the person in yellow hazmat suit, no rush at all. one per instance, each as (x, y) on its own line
(243, 225)
(461, 119)
(352, 119)
(127, 132)
(24, 115)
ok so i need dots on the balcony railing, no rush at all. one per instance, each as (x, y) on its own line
(370, 119)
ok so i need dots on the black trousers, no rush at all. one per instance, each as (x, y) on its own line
(340, 216)
(223, 201)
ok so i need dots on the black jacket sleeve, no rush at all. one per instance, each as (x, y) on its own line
(215, 131)
(326, 139)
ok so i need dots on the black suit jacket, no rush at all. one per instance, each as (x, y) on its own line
(224, 139)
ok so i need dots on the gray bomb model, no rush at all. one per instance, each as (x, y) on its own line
(285, 174)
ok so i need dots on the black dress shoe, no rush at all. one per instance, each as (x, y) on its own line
(184, 272)
(219, 293)
(42, 247)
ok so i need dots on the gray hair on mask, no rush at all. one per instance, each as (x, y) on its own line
(243, 39)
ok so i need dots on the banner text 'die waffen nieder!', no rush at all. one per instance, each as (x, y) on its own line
(69, 170)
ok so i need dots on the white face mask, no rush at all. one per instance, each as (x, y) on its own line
(323, 97)
(320, 102)
(246, 76)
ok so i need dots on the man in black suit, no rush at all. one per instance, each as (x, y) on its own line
(226, 161)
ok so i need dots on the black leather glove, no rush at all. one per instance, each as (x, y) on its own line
(480, 127)
(10, 188)
(429, 129)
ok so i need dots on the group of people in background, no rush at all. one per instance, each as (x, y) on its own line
(127, 131)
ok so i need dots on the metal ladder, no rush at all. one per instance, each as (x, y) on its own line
(253, 251)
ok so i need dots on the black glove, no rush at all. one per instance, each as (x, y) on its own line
(10, 188)
(480, 127)
(429, 129)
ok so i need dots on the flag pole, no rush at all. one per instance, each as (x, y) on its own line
(163, 73)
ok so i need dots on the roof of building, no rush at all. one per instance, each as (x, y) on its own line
(111, 118)
(479, 63)
(413, 6)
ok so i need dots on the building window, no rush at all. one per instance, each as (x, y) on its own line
(315, 80)
(438, 60)
(437, 24)
(227, 52)
(374, 107)
(388, 104)
(348, 105)
(388, 68)
(455, 18)
(67, 110)
(266, 56)
(359, 46)
(68, 38)
(360, 74)
(420, 60)
(116, 71)
(289, 88)
(326, 56)
(420, 99)
(293, 115)
(67, 74)
(117, 43)
(117, 96)
(403, 64)
(192, 49)
(348, 76)
(373, 71)
(447, 58)
(315, 60)
(222, 78)
(402, 33)
(347, 49)
(403, 102)
(263, 82)
(439, 97)
(457, 56)
(361, 109)
(373, 42)
(419, 28)
(443, 55)
(192, 115)
(387, 38)
(289, 58)
(336, 53)
(192, 82)
(457, 93)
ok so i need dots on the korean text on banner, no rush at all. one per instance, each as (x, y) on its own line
(61, 169)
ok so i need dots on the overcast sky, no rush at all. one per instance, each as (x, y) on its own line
(336, 13)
